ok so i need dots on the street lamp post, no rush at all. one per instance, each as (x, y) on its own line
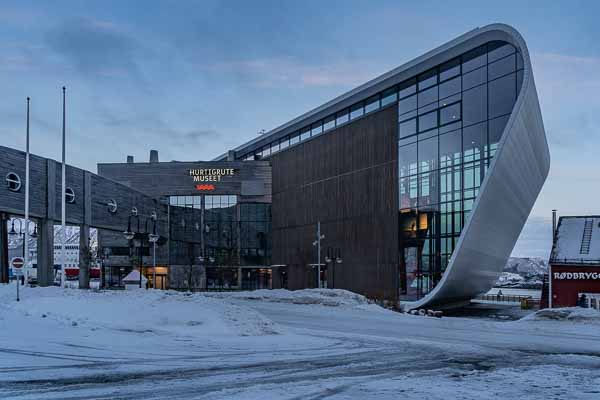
(153, 238)
(317, 243)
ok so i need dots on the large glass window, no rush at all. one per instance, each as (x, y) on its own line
(356, 110)
(474, 105)
(502, 95)
(428, 121)
(441, 174)
(428, 96)
(450, 87)
(408, 128)
(407, 158)
(501, 67)
(450, 114)
(407, 104)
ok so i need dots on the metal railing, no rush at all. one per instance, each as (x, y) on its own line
(503, 298)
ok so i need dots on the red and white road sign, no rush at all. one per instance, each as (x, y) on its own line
(17, 262)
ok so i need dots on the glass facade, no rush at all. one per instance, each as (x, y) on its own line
(450, 122)
(219, 228)
(450, 119)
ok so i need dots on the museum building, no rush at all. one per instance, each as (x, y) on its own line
(414, 186)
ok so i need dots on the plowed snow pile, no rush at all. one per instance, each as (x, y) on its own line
(138, 311)
(574, 314)
(324, 297)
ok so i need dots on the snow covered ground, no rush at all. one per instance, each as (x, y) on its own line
(312, 344)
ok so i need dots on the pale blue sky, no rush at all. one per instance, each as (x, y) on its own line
(193, 79)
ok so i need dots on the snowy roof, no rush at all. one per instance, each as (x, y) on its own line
(134, 276)
(577, 240)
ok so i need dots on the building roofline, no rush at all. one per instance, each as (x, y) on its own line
(412, 67)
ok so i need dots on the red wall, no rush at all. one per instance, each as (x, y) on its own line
(566, 291)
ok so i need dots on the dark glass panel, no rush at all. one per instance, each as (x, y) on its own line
(407, 104)
(408, 128)
(450, 114)
(474, 78)
(450, 149)
(427, 108)
(407, 140)
(389, 96)
(474, 59)
(450, 100)
(285, 142)
(407, 158)
(304, 133)
(341, 117)
(329, 123)
(407, 88)
(502, 95)
(498, 50)
(474, 105)
(356, 111)
(427, 79)
(450, 87)
(428, 96)
(474, 142)
(519, 80)
(372, 104)
(427, 134)
(316, 128)
(428, 121)
(450, 127)
(450, 69)
(501, 67)
(428, 154)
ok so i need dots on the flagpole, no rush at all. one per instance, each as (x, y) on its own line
(26, 237)
(63, 204)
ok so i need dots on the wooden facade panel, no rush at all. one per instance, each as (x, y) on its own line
(347, 179)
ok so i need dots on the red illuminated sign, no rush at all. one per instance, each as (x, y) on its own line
(205, 187)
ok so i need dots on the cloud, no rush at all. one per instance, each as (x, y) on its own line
(568, 87)
(289, 72)
(97, 48)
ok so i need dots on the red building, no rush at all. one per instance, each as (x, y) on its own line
(575, 263)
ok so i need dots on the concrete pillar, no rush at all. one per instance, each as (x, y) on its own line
(84, 257)
(239, 280)
(84, 233)
(45, 252)
(3, 248)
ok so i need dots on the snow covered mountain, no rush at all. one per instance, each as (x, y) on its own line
(523, 272)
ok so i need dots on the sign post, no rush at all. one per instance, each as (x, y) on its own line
(17, 264)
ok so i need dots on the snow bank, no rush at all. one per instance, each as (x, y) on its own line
(575, 314)
(139, 312)
(324, 297)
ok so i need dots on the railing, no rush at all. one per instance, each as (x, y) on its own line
(503, 298)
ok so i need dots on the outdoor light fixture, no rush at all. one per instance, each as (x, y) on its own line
(129, 233)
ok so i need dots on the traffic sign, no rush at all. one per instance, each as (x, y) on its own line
(17, 262)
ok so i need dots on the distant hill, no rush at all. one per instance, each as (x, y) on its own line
(523, 272)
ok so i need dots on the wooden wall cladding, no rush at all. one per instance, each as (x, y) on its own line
(348, 180)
